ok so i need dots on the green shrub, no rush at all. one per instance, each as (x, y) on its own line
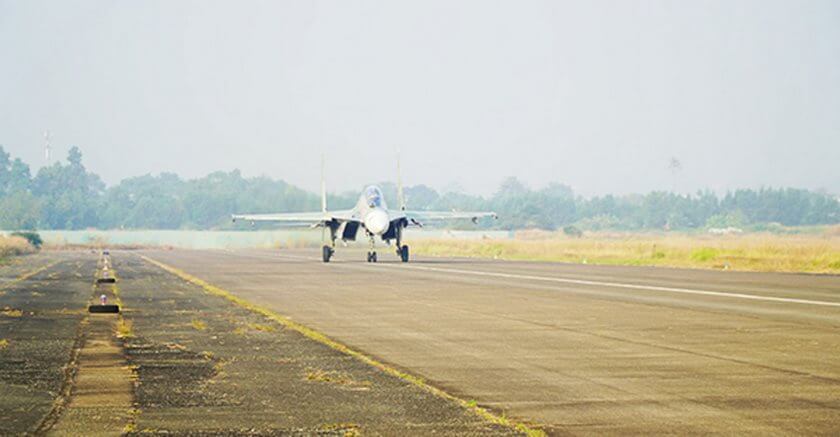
(572, 231)
(33, 238)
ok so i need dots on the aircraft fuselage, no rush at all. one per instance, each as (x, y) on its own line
(373, 211)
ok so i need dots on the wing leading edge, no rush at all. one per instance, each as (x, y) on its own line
(298, 217)
(421, 216)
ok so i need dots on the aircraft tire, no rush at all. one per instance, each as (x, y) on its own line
(327, 253)
(404, 253)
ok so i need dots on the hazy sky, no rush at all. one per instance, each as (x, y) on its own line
(597, 95)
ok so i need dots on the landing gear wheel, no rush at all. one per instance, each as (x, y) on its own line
(404, 253)
(371, 257)
(327, 253)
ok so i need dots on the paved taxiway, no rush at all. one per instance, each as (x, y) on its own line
(580, 349)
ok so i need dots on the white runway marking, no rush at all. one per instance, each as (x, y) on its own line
(631, 286)
(600, 283)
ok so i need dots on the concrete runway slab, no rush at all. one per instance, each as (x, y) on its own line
(579, 349)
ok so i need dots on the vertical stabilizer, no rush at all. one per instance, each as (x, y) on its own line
(323, 187)
(400, 195)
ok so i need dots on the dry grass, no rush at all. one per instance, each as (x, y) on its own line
(198, 324)
(124, 328)
(753, 252)
(346, 429)
(334, 377)
(11, 312)
(15, 246)
(261, 327)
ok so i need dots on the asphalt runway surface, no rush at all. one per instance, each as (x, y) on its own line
(181, 360)
(574, 348)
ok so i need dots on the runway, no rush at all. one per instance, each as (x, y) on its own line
(577, 349)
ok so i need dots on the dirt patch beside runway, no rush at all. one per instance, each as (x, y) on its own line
(205, 365)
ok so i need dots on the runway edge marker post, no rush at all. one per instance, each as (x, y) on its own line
(324, 339)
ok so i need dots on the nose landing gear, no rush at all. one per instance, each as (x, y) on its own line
(371, 255)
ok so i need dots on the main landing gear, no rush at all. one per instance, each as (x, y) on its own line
(327, 253)
(402, 252)
(402, 249)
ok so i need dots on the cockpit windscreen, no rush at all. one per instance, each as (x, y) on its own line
(374, 197)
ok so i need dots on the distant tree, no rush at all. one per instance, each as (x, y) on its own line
(20, 178)
(5, 171)
(420, 197)
(727, 220)
(74, 157)
(511, 187)
(559, 204)
(68, 196)
(19, 210)
(71, 196)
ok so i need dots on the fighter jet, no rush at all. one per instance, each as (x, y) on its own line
(371, 215)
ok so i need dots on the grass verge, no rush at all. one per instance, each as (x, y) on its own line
(324, 339)
(753, 252)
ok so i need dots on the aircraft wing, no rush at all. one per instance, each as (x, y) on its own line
(313, 218)
(421, 216)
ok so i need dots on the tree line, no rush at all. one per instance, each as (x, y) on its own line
(65, 195)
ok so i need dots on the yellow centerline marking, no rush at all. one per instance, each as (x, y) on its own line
(324, 339)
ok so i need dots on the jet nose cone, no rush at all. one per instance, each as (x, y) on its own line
(377, 222)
